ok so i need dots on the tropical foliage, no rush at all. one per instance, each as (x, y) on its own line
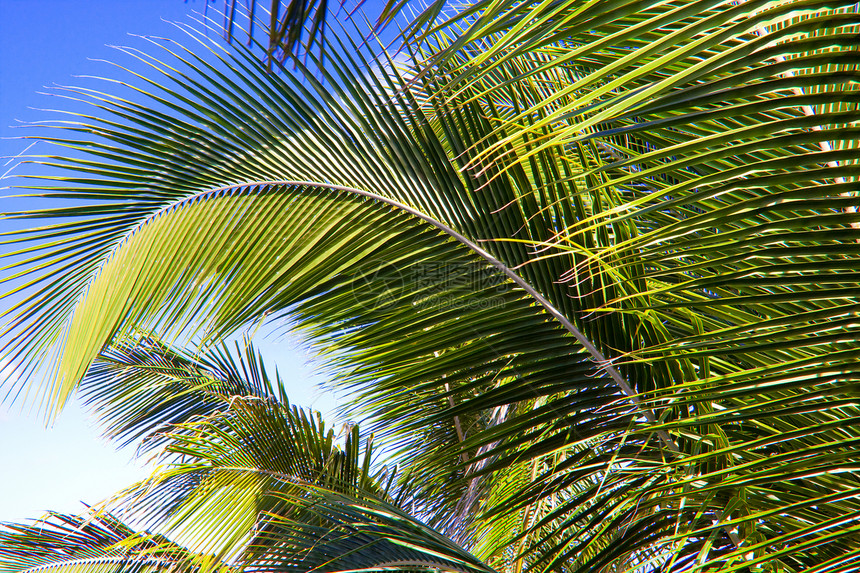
(587, 270)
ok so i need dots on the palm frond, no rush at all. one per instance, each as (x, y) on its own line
(139, 385)
(710, 150)
(89, 543)
(602, 154)
(265, 485)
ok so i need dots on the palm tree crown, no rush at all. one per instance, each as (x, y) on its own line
(587, 270)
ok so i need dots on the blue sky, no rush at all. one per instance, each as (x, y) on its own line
(46, 42)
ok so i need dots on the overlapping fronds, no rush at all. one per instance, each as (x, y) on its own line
(266, 486)
(289, 27)
(713, 149)
(90, 543)
(244, 478)
(588, 268)
(363, 277)
(139, 385)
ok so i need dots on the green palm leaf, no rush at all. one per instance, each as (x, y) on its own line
(265, 485)
(140, 385)
(94, 543)
(693, 130)
(587, 386)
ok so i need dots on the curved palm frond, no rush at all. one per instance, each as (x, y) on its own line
(90, 543)
(264, 485)
(713, 150)
(630, 142)
(139, 385)
(506, 335)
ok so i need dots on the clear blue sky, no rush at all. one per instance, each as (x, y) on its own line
(45, 42)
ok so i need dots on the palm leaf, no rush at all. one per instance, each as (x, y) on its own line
(693, 129)
(94, 543)
(140, 385)
(266, 485)
(629, 142)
